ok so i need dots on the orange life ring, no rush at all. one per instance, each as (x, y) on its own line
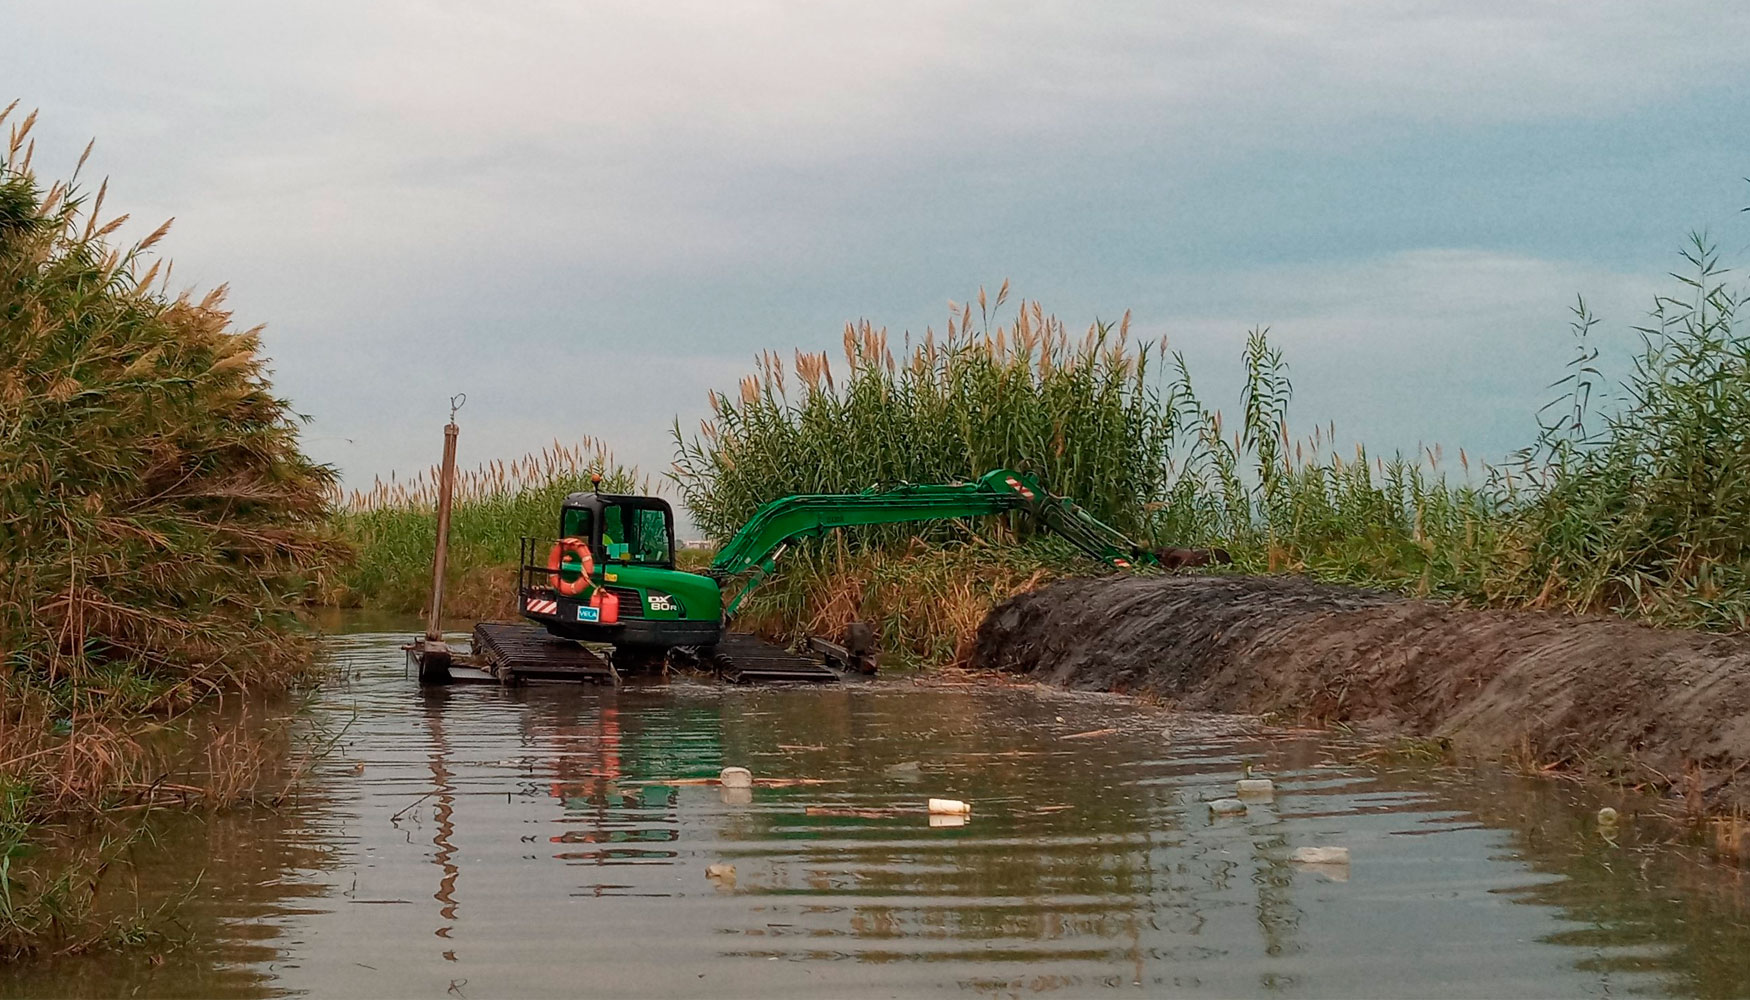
(556, 563)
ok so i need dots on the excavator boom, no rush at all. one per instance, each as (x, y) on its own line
(759, 543)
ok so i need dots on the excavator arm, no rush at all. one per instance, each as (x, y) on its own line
(763, 539)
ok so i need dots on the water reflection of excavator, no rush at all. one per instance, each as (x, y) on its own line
(585, 780)
(611, 576)
(581, 780)
(600, 761)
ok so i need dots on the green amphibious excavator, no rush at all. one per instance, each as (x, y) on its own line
(611, 576)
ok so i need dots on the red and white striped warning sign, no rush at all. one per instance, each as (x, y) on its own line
(542, 606)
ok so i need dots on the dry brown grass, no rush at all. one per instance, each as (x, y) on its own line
(158, 525)
(215, 755)
(98, 789)
(926, 601)
(1731, 836)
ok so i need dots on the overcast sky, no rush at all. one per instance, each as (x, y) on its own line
(586, 215)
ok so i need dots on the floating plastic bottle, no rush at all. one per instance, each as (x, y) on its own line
(736, 777)
(1227, 807)
(1320, 855)
(949, 807)
(1255, 788)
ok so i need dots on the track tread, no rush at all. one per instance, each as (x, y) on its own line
(744, 658)
(517, 652)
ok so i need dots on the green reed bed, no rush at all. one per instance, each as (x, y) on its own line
(1112, 422)
(1635, 502)
(1633, 499)
(1636, 497)
(1282, 504)
(1081, 411)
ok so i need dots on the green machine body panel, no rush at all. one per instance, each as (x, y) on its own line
(631, 544)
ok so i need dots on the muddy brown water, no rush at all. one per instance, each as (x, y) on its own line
(479, 842)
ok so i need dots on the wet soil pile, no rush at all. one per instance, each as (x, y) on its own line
(1665, 708)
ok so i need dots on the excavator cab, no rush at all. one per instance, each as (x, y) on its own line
(633, 596)
(620, 529)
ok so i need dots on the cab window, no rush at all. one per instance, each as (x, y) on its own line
(614, 534)
(651, 535)
(574, 524)
(635, 535)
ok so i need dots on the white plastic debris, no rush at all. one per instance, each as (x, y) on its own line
(736, 777)
(1607, 816)
(1320, 855)
(949, 807)
(937, 819)
(722, 871)
(1227, 807)
(1256, 788)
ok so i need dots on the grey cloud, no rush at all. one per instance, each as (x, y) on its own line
(421, 197)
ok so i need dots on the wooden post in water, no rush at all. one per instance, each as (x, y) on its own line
(446, 483)
(431, 652)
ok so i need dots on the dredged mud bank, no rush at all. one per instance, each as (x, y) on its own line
(1668, 709)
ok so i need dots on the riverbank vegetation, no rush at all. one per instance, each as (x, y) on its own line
(157, 519)
(1628, 501)
(1632, 503)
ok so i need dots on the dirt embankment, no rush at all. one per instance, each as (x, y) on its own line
(1608, 698)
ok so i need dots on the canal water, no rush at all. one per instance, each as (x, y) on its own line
(546, 841)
